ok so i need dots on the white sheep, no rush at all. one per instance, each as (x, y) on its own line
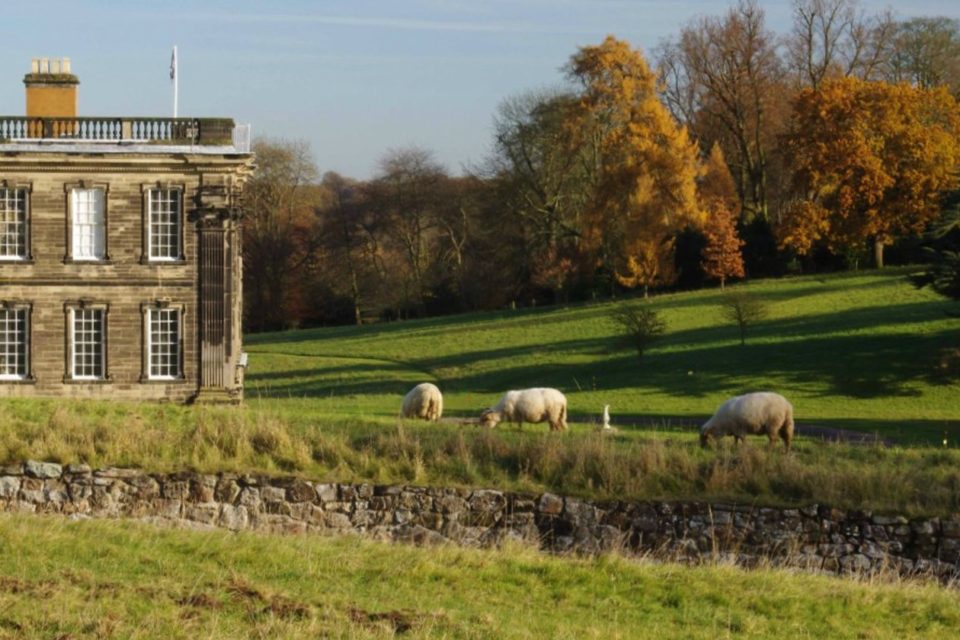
(423, 401)
(529, 405)
(761, 412)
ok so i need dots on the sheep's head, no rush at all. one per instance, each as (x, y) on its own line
(706, 436)
(489, 418)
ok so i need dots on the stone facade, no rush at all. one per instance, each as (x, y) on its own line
(815, 537)
(48, 281)
(45, 276)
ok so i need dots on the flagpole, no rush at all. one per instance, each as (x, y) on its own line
(176, 80)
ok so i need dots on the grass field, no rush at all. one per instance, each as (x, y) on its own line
(852, 350)
(99, 579)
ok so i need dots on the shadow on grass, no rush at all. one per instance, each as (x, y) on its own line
(851, 366)
(862, 353)
(771, 291)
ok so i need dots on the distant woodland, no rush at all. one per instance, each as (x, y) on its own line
(727, 152)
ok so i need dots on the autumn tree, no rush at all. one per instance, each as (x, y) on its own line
(723, 78)
(545, 167)
(834, 38)
(348, 235)
(646, 165)
(722, 252)
(716, 186)
(722, 257)
(405, 194)
(871, 161)
(280, 232)
(927, 53)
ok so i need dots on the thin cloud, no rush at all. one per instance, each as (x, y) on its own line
(383, 22)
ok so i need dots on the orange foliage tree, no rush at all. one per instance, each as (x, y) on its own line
(722, 255)
(871, 160)
(646, 165)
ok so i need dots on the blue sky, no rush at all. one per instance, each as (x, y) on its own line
(351, 78)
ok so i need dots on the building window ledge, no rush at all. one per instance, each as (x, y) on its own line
(148, 380)
(162, 262)
(72, 380)
(105, 260)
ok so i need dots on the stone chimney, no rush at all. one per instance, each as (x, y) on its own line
(51, 89)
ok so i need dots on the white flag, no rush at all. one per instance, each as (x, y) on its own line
(173, 64)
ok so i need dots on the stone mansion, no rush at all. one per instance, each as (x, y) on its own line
(120, 259)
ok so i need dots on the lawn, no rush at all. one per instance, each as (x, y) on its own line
(851, 350)
(96, 579)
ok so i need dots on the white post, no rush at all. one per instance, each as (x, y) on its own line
(176, 80)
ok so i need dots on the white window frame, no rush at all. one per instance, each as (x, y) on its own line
(72, 340)
(151, 313)
(24, 348)
(165, 195)
(20, 195)
(97, 221)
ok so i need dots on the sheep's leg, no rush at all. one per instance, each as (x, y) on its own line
(786, 435)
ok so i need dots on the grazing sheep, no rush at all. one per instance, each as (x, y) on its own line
(529, 405)
(423, 401)
(760, 412)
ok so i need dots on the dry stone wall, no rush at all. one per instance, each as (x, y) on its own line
(815, 537)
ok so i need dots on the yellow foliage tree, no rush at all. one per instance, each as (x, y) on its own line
(717, 187)
(871, 160)
(646, 165)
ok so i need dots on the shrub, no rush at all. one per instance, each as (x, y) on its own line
(642, 326)
(744, 310)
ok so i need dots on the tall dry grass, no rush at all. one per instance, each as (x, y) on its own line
(582, 463)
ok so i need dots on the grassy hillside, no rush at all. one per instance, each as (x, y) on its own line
(850, 350)
(854, 350)
(111, 579)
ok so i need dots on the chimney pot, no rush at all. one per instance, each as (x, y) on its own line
(35, 65)
(44, 65)
(66, 65)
